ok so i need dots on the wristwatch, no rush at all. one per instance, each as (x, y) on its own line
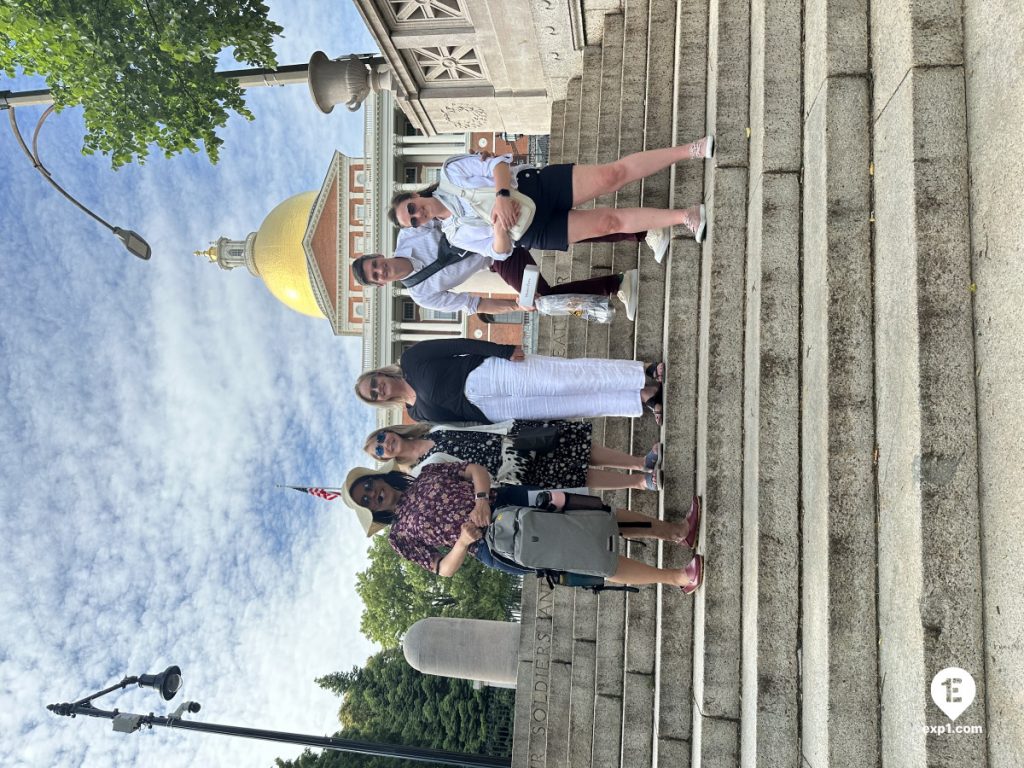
(483, 494)
(503, 193)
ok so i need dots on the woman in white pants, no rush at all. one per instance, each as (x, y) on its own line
(464, 380)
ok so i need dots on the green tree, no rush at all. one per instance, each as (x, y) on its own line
(144, 71)
(396, 594)
(389, 702)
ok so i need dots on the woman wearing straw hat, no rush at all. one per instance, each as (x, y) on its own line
(543, 454)
(438, 519)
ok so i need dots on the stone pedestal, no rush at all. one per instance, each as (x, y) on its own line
(469, 649)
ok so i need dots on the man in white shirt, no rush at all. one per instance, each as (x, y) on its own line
(417, 249)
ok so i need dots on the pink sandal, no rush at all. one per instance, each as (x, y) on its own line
(698, 579)
(692, 525)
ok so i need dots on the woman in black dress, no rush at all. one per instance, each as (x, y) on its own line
(543, 454)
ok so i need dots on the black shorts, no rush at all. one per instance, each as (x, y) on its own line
(551, 189)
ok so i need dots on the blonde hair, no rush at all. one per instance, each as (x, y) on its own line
(391, 372)
(405, 431)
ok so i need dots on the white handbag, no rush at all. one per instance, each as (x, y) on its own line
(481, 200)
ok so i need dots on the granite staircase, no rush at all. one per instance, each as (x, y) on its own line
(823, 395)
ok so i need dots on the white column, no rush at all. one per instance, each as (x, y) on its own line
(429, 152)
(429, 326)
(425, 336)
(441, 138)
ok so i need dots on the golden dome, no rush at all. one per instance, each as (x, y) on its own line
(279, 257)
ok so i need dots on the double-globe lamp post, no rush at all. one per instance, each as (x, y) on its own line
(168, 683)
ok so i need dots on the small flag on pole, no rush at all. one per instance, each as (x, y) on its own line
(328, 494)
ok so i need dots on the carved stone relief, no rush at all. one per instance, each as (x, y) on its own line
(448, 63)
(465, 117)
(417, 10)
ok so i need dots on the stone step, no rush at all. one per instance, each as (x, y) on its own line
(546, 259)
(674, 669)
(812, 360)
(608, 680)
(607, 144)
(769, 727)
(578, 255)
(608, 120)
(929, 559)
(717, 607)
(532, 680)
(654, 30)
(556, 137)
(555, 329)
(583, 680)
(839, 724)
(997, 284)
(594, 12)
(621, 344)
(559, 723)
(624, 677)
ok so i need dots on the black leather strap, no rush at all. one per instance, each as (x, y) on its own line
(446, 256)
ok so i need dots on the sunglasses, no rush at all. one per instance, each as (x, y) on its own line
(410, 208)
(374, 389)
(378, 449)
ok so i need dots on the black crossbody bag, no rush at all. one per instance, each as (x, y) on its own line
(447, 255)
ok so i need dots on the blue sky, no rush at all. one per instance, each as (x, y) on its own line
(148, 411)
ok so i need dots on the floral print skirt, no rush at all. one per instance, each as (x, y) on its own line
(564, 467)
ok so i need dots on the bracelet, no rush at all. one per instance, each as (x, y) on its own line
(503, 193)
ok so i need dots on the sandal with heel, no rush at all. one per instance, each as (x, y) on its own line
(653, 480)
(656, 371)
(692, 519)
(652, 461)
(697, 580)
(654, 405)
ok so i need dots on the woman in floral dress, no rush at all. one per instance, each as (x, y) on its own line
(544, 454)
(438, 519)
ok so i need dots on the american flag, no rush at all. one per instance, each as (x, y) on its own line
(328, 494)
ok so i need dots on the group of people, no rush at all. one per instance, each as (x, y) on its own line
(442, 479)
(443, 239)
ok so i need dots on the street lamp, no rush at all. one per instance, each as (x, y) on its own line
(168, 683)
(132, 240)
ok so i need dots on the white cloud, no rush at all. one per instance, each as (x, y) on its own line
(148, 411)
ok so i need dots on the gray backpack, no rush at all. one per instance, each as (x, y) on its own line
(580, 541)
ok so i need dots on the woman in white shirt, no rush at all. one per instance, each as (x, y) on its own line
(556, 190)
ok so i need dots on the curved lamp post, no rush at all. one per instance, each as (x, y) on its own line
(168, 683)
(132, 240)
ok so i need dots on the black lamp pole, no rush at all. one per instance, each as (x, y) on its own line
(130, 239)
(126, 722)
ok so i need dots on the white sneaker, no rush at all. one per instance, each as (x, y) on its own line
(696, 221)
(629, 292)
(658, 240)
(703, 148)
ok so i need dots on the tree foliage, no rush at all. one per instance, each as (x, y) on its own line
(143, 70)
(389, 702)
(396, 594)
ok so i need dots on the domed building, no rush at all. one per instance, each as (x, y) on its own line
(274, 254)
(303, 248)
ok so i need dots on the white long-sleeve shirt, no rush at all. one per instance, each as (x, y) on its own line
(473, 172)
(419, 245)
